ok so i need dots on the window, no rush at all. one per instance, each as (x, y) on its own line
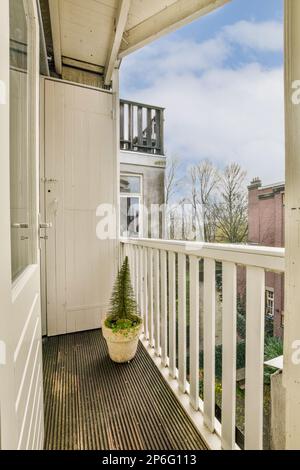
(270, 302)
(22, 158)
(130, 213)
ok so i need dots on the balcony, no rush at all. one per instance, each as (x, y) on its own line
(176, 288)
(92, 403)
(141, 128)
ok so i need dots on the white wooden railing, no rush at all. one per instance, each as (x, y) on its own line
(159, 271)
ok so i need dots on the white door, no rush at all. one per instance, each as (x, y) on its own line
(21, 389)
(80, 175)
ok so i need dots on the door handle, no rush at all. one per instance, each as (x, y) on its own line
(46, 225)
(21, 225)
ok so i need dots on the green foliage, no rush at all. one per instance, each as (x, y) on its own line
(269, 327)
(123, 313)
(241, 317)
(273, 348)
(240, 358)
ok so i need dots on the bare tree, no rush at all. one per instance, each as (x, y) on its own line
(205, 180)
(172, 185)
(172, 179)
(231, 211)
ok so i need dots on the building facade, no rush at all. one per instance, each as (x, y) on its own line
(266, 228)
(142, 170)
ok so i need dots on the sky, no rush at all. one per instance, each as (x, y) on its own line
(220, 79)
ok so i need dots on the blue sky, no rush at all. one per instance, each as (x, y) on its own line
(221, 81)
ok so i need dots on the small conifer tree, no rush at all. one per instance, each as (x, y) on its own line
(123, 306)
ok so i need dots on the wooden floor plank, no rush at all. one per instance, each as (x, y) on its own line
(91, 403)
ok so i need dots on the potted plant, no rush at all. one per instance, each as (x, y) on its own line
(123, 325)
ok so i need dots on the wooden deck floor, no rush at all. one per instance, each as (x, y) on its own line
(93, 403)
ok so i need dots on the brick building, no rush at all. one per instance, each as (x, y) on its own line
(266, 227)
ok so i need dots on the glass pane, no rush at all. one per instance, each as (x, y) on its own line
(130, 184)
(21, 209)
(130, 213)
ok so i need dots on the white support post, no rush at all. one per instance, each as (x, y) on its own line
(255, 323)
(194, 332)
(172, 314)
(291, 369)
(228, 355)
(164, 308)
(182, 322)
(209, 313)
(156, 303)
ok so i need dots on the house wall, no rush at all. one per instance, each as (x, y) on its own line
(266, 227)
(153, 178)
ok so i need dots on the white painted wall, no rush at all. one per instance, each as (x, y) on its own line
(81, 158)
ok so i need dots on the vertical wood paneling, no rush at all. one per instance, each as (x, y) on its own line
(228, 355)
(164, 308)
(80, 167)
(194, 332)
(182, 322)
(255, 309)
(172, 313)
(150, 297)
(156, 280)
(209, 312)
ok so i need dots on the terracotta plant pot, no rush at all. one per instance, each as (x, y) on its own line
(122, 345)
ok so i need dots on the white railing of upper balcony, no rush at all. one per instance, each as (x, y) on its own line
(159, 272)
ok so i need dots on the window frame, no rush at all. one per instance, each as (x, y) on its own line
(138, 196)
(268, 291)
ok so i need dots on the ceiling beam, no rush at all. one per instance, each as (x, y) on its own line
(120, 25)
(56, 38)
(165, 21)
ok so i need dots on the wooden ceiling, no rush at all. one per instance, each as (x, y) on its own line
(101, 32)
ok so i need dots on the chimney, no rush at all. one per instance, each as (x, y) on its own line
(255, 183)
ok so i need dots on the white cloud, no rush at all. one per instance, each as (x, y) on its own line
(264, 36)
(213, 110)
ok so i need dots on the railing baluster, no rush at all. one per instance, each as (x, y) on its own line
(150, 297)
(140, 126)
(158, 129)
(149, 128)
(164, 308)
(172, 313)
(228, 355)
(130, 125)
(141, 284)
(145, 286)
(122, 122)
(182, 322)
(255, 285)
(194, 332)
(156, 303)
(209, 311)
(136, 272)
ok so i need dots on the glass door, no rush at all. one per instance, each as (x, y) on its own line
(22, 155)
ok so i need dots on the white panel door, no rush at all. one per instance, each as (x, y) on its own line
(80, 175)
(21, 390)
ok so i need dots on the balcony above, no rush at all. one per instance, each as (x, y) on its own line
(141, 128)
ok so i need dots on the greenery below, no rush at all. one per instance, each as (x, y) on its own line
(123, 314)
